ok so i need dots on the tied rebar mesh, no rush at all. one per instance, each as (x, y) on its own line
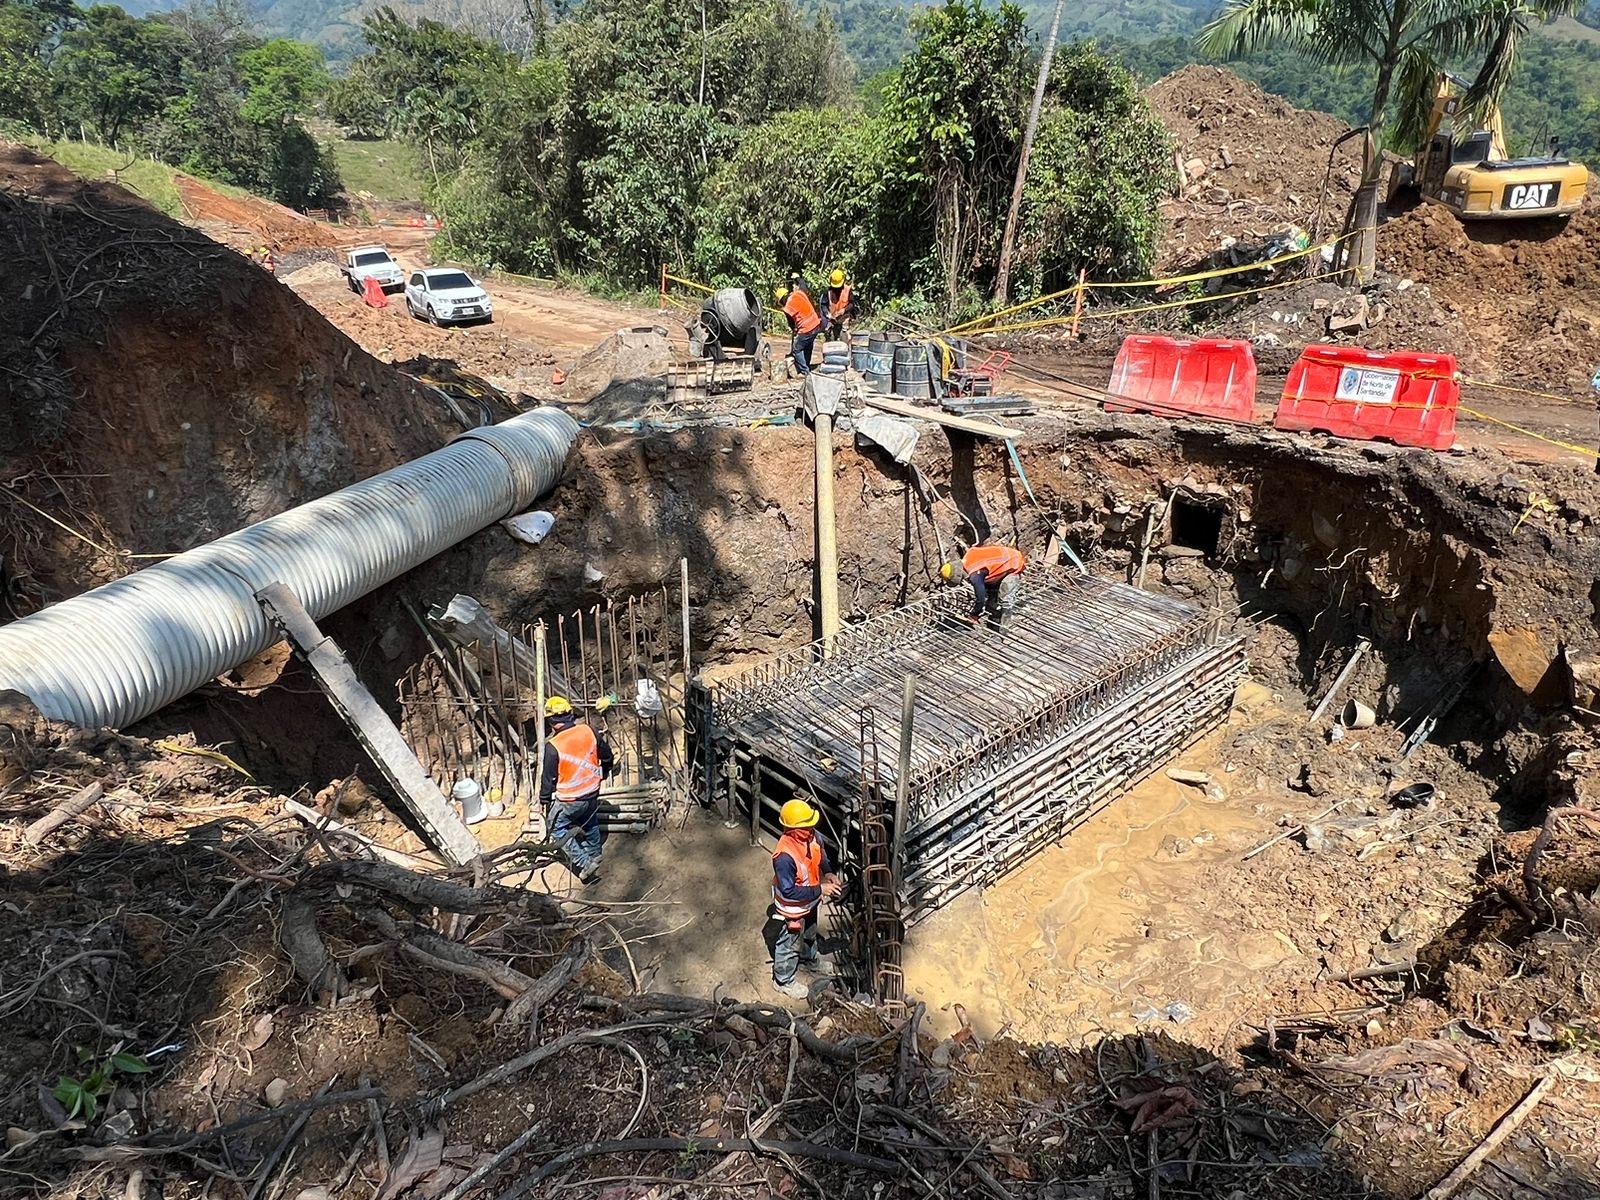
(1017, 735)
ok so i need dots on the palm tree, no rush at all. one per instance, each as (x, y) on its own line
(1407, 42)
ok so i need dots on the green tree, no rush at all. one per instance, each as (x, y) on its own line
(955, 112)
(1406, 42)
(281, 81)
(115, 71)
(355, 102)
(26, 102)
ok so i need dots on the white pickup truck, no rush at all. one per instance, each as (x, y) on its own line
(372, 262)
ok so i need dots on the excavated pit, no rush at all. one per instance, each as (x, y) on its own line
(1439, 562)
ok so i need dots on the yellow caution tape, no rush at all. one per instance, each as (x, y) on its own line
(172, 747)
(1168, 281)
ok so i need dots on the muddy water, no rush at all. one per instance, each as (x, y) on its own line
(1114, 919)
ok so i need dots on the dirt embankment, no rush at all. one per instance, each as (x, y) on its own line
(246, 222)
(157, 390)
(1527, 293)
(1253, 164)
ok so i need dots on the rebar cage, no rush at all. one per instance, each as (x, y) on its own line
(471, 709)
(1016, 735)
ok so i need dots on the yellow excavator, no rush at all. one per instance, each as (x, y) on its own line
(1466, 168)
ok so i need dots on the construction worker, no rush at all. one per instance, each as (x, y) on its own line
(804, 322)
(576, 759)
(982, 566)
(800, 880)
(838, 306)
(268, 262)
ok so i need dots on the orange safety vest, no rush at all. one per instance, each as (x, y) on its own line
(838, 305)
(807, 856)
(578, 768)
(799, 309)
(994, 563)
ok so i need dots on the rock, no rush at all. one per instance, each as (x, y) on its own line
(1313, 839)
(1183, 775)
(1225, 157)
(275, 1092)
(1348, 316)
(1194, 168)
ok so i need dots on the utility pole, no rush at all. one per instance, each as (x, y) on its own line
(1002, 280)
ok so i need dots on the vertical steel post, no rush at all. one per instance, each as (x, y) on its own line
(538, 714)
(902, 782)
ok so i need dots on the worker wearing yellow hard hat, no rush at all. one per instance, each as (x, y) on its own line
(577, 759)
(838, 307)
(801, 879)
(983, 567)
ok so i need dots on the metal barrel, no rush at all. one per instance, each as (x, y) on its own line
(911, 377)
(859, 347)
(881, 382)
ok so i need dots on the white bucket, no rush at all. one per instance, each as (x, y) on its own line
(469, 795)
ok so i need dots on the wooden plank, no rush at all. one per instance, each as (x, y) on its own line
(371, 725)
(901, 408)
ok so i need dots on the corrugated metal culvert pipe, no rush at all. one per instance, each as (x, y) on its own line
(124, 650)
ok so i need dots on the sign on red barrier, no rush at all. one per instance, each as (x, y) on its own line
(1172, 377)
(1406, 397)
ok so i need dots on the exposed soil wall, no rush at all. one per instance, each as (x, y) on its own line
(158, 390)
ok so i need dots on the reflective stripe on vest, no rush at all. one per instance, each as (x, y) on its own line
(578, 751)
(807, 856)
(994, 562)
(799, 309)
(837, 306)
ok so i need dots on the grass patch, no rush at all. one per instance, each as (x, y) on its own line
(151, 180)
(389, 171)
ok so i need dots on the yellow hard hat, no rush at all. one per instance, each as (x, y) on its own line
(836, 279)
(557, 706)
(797, 814)
(780, 293)
(947, 572)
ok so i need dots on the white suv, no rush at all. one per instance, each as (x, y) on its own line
(446, 295)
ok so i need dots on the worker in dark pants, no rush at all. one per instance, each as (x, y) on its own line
(800, 881)
(999, 567)
(576, 760)
(838, 308)
(804, 323)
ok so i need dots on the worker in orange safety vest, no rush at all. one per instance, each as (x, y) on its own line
(804, 323)
(576, 760)
(838, 307)
(983, 566)
(800, 880)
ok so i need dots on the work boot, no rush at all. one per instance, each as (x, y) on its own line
(813, 965)
(589, 872)
(794, 989)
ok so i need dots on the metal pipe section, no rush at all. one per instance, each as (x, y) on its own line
(122, 651)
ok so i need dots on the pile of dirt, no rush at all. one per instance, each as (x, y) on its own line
(148, 401)
(246, 222)
(1527, 292)
(1252, 163)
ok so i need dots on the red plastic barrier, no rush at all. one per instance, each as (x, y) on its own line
(372, 292)
(1171, 377)
(1406, 397)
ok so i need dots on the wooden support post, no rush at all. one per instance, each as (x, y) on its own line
(683, 583)
(827, 536)
(1077, 303)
